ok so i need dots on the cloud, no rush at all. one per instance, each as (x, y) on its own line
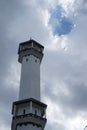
(63, 69)
(60, 24)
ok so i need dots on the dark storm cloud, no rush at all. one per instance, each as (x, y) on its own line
(69, 79)
(8, 11)
(84, 2)
(7, 45)
(57, 126)
(72, 104)
(7, 96)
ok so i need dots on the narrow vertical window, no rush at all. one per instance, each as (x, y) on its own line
(35, 60)
(24, 111)
(35, 112)
(26, 59)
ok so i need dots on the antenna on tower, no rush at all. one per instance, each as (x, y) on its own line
(30, 38)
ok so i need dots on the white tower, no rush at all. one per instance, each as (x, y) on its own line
(29, 112)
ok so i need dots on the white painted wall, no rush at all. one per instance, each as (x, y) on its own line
(21, 110)
(30, 78)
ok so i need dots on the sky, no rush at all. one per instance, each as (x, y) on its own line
(61, 27)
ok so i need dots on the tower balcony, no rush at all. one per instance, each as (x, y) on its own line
(30, 47)
(29, 111)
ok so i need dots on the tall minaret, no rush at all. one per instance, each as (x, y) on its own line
(29, 113)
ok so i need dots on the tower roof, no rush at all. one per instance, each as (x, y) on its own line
(30, 47)
(28, 42)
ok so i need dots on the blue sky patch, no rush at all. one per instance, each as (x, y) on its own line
(61, 25)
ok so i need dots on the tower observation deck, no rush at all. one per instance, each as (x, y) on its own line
(29, 113)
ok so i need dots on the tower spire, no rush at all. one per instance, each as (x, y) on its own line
(30, 38)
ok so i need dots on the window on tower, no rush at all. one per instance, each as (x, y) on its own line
(35, 112)
(26, 59)
(35, 60)
(24, 112)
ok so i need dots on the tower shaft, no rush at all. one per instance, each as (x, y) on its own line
(30, 76)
